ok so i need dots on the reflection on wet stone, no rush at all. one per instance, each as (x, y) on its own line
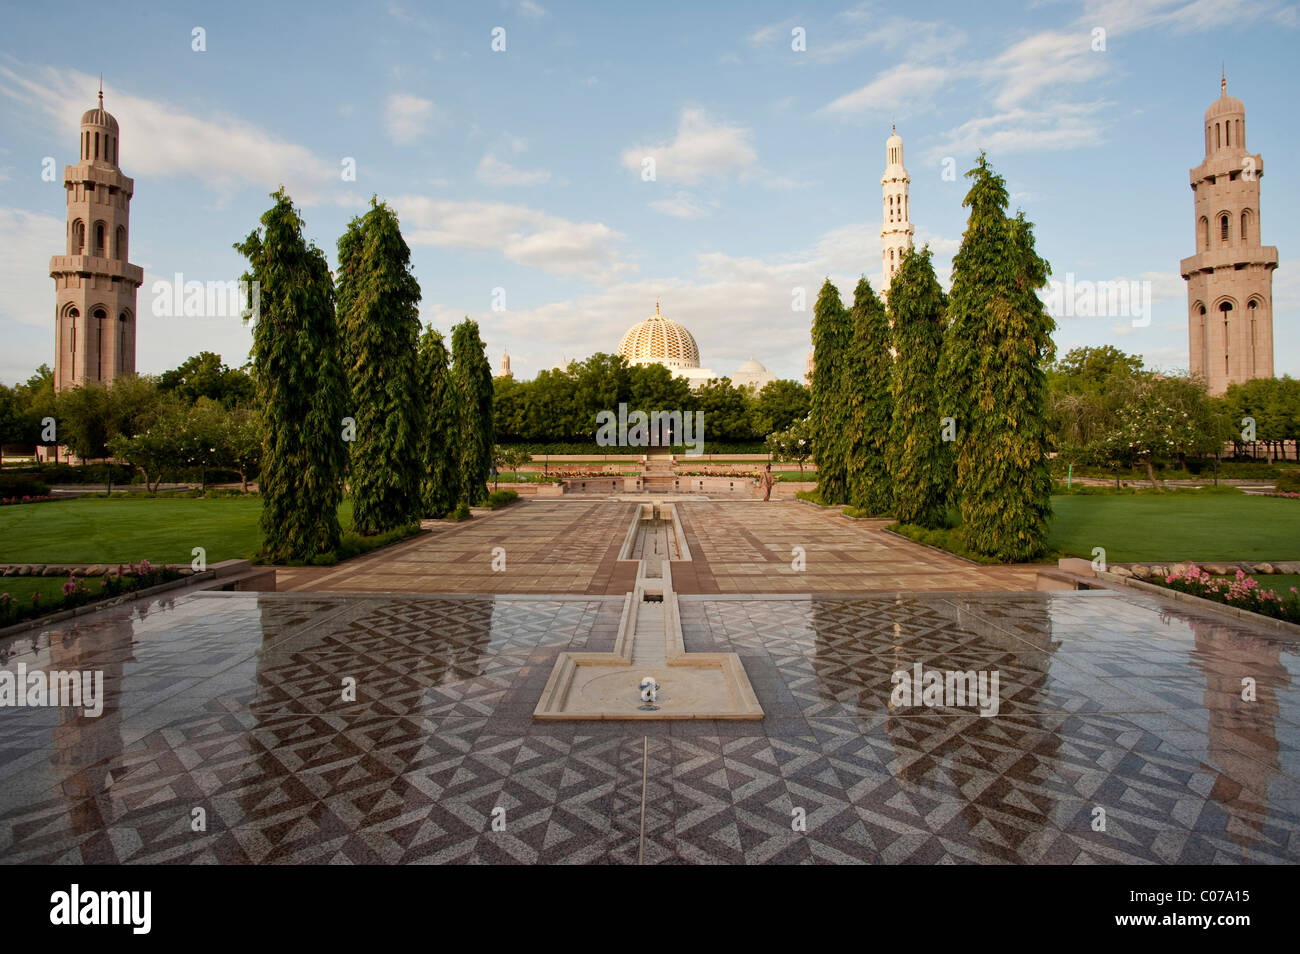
(234, 703)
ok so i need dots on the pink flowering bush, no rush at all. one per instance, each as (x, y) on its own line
(75, 591)
(1243, 592)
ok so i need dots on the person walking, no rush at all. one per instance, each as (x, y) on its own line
(767, 480)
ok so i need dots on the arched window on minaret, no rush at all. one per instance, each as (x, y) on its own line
(1218, 135)
(1204, 227)
(77, 243)
(1245, 226)
(119, 244)
(1227, 133)
(1223, 228)
(99, 240)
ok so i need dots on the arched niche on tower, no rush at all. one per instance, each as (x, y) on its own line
(1247, 226)
(119, 243)
(77, 238)
(1224, 226)
(100, 249)
(1203, 232)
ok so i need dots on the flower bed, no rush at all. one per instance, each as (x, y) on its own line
(40, 498)
(1243, 592)
(77, 591)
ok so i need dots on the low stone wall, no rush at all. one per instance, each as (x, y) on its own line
(71, 569)
(1158, 571)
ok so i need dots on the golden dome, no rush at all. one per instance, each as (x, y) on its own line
(660, 340)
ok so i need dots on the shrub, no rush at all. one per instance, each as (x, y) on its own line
(1288, 482)
(462, 511)
(22, 485)
(501, 498)
(1244, 592)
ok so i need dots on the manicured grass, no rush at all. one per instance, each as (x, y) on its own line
(1180, 526)
(21, 588)
(126, 529)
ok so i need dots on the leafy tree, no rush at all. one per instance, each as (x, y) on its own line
(472, 381)
(778, 405)
(865, 374)
(379, 322)
(726, 410)
(507, 458)
(997, 347)
(832, 336)
(159, 448)
(85, 420)
(654, 387)
(36, 396)
(793, 444)
(1273, 404)
(440, 484)
(916, 311)
(300, 387)
(204, 375)
(239, 438)
(13, 418)
(1163, 417)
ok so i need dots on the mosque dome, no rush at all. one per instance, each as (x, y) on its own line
(752, 374)
(752, 367)
(99, 116)
(660, 340)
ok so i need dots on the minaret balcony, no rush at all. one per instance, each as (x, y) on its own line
(1218, 258)
(94, 265)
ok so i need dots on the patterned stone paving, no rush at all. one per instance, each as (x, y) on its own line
(233, 703)
(571, 547)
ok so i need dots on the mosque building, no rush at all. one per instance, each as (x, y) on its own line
(660, 340)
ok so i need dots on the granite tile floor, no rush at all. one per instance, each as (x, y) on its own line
(229, 709)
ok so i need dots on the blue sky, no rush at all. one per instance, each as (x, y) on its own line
(521, 169)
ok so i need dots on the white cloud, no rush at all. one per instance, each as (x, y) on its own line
(225, 152)
(494, 171)
(702, 149)
(1017, 130)
(524, 235)
(531, 10)
(892, 89)
(29, 239)
(684, 205)
(1046, 59)
(407, 117)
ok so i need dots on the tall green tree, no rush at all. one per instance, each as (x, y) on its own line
(779, 405)
(832, 336)
(472, 381)
(866, 374)
(997, 349)
(300, 387)
(440, 480)
(917, 314)
(379, 321)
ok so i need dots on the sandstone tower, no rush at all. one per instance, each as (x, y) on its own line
(896, 229)
(1230, 278)
(94, 286)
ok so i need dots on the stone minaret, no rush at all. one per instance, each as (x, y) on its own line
(896, 232)
(1230, 278)
(94, 286)
(505, 371)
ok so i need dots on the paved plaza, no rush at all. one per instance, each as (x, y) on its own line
(229, 734)
(740, 546)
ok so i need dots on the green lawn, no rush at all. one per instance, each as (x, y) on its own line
(126, 530)
(21, 588)
(1176, 527)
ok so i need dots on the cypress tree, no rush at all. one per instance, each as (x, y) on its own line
(471, 376)
(867, 400)
(299, 387)
(998, 347)
(832, 336)
(440, 488)
(916, 312)
(379, 306)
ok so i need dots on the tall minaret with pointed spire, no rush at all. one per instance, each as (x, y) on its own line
(94, 286)
(1230, 278)
(896, 231)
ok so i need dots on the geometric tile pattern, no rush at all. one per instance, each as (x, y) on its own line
(234, 703)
